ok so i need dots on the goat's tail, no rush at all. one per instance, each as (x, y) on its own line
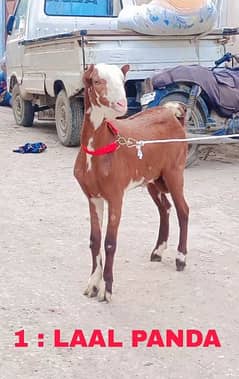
(178, 109)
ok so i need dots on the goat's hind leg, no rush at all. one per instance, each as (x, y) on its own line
(96, 206)
(164, 206)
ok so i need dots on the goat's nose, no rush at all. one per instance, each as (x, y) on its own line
(122, 103)
(120, 106)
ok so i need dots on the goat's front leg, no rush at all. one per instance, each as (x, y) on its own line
(114, 215)
(175, 186)
(164, 206)
(96, 206)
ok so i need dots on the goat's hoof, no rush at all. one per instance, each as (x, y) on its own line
(103, 294)
(155, 257)
(180, 261)
(107, 296)
(91, 291)
(180, 265)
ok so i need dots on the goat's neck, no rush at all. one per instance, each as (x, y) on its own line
(94, 117)
(97, 116)
(90, 126)
(90, 115)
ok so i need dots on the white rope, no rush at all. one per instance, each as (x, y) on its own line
(191, 139)
(141, 143)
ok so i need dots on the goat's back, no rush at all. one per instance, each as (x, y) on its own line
(155, 123)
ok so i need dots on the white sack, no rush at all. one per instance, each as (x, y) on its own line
(155, 18)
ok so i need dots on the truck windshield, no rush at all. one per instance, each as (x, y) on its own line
(90, 8)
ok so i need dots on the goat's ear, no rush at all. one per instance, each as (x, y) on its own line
(125, 69)
(87, 75)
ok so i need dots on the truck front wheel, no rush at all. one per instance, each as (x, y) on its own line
(69, 117)
(23, 110)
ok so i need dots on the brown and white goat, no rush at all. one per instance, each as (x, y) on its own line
(106, 169)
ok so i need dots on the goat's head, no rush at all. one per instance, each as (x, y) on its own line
(105, 86)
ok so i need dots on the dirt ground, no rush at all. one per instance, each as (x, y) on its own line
(45, 263)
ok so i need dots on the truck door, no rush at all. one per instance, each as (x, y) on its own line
(14, 49)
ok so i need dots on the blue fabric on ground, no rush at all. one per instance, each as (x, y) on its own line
(34, 148)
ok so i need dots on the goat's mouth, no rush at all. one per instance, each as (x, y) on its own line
(120, 106)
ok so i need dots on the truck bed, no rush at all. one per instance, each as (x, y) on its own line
(144, 53)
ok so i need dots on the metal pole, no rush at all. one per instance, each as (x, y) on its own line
(2, 27)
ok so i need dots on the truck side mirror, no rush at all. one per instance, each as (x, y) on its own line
(10, 23)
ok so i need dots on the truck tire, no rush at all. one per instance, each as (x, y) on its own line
(69, 118)
(196, 119)
(23, 110)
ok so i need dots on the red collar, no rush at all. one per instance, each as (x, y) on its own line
(110, 148)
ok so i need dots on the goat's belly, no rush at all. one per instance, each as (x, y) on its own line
(135, 183)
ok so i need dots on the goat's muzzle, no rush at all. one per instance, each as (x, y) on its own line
(120, 106)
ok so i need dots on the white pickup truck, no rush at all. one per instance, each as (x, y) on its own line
(51, 41)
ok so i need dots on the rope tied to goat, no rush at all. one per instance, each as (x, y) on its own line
(139, 144)
(131, 142)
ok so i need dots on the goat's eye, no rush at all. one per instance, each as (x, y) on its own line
(96, 82)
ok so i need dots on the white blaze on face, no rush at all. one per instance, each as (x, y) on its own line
(115, 89)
